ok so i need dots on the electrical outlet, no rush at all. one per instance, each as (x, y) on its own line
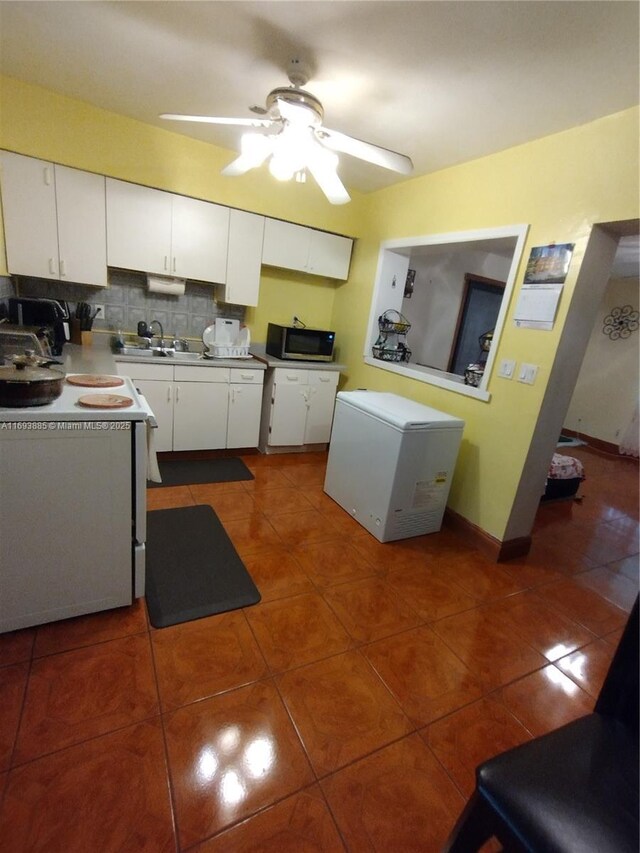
(97, 306)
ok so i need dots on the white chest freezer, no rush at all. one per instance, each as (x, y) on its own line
(390, 463)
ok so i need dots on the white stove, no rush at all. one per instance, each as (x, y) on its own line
(66, 407)
(80, 474)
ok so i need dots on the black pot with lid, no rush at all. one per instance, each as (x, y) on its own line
(30, 381)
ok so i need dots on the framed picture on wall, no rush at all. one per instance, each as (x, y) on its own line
(408, 285)
(549, 264)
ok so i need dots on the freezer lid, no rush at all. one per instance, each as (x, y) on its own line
(401, 412)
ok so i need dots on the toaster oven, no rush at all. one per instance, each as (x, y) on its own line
(14, 340)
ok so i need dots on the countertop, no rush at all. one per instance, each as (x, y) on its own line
(99, 358)
(271, 361)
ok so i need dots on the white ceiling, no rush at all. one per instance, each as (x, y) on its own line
(444, 82)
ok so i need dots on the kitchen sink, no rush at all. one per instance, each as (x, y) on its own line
(156, 352)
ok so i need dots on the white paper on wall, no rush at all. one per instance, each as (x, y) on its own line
(537, 306)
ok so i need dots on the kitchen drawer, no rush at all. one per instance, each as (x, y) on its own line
(284, 376)
(187, 373)
(323, 377)
(254, 377)
(145, 371)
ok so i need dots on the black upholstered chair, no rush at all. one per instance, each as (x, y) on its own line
(574, 790)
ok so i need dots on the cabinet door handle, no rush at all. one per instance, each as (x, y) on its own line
(324, 378)
(62, 269)
(52, 268)
(177, 393)
(166, 262)
(291, 377)
(168, 393)
(246, 376)
(47, 176)
(174, 263)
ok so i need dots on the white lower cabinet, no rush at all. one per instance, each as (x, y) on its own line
(199, 408)
(245, 404)
(200, 415)
(159, 395)
(298, 407)
(321, 398)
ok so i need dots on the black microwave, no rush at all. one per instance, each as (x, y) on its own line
(300, 344)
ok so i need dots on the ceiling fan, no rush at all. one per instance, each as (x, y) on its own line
(296, 140)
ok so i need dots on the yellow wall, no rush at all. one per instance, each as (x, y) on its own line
(558, 185)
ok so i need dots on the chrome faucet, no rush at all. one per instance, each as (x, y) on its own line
(159, 324)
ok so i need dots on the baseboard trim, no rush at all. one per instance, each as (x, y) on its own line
(491, 547)
(593, 443)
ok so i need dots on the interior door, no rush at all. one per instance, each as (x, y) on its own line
(479, 311)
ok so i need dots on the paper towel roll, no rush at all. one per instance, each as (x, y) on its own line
(167, 286)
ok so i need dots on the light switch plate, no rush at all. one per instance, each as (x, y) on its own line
(528, 373)
(507, 368)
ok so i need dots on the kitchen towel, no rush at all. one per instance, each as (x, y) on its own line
(193, 570)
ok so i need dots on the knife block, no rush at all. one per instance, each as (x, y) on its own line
(78, 336)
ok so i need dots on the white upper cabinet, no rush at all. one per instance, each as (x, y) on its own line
(329, 255)
(244, 258)
(82, 228)
(138, 228)
(167, 234)
(199, 239)
(285, 245)
(296, 247)
(54, 220)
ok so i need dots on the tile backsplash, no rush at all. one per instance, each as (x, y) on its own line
(126, 301)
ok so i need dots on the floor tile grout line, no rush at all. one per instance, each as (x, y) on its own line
(167, 763)
(85, 740)
(89, 645)
(16, 735)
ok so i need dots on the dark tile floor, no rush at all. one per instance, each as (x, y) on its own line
(347, 710)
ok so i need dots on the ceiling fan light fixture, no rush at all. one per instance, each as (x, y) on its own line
(254, 150)
(296, 139)
(280, 169)
(290, 151)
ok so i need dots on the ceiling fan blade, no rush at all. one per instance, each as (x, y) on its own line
(322, 166)
(365, 151)
(240, 122)
(254, 150)
(239, 166)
